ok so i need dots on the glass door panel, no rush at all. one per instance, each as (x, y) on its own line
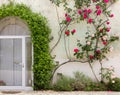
(10, 62)
(28, 65)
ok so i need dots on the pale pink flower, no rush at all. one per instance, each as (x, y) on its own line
(111, 15)
(113, 76)
(104, 38)
(111, 49)
(92, 35)
(88, 43)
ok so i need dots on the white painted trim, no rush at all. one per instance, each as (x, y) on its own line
(15, 88)
(23, 61)
(32, 64)
(12, 37)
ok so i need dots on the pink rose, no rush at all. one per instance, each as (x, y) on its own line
(90, 20)
(73, 31)
(101, 30)
(89, 11)
(107, 22)
(67, 32)
(79, 12)
(94, 0)
(91, 57)
(76, 50)
(99, 11)
(106, 1)
(108, 29)
(97, 7)
(104, 42)
(85, 16)
(66, 15)
(85, 10)
(68, 19)
(98, 51)
(111, 15)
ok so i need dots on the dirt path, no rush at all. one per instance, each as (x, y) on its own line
(57, 93)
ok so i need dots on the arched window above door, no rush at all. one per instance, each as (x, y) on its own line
(13, 26)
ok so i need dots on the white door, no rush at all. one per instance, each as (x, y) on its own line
(15, 55)
(12, 61)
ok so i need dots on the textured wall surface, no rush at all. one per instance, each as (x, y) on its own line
(47, 9)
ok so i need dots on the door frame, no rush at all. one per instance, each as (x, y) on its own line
(23, 87)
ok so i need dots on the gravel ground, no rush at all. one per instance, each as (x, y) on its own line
(58, 93)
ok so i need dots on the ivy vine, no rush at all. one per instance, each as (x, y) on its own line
(37, 24)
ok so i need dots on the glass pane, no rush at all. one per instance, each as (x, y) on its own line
(14, 30)
(17, 61)
(10, 62)
(28, 62)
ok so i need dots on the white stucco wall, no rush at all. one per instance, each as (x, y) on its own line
(47, 9)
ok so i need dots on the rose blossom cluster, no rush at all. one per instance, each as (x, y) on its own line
(67, 32)
(85, 13)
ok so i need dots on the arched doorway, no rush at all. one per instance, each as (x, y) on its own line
(15, 54)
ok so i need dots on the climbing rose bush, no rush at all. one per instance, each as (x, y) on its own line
(98, 42)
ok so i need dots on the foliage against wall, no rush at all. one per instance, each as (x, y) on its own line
(42, 65)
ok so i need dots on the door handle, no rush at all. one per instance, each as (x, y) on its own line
(21, 64)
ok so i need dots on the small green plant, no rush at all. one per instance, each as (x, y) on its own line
(77, 83)
(63, 84)
(114, 85)
(80, 81)
(96, 87)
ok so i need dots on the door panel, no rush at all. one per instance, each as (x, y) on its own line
(28, 65)
(10, 62)
(17, 58)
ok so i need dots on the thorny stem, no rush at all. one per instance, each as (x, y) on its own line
(61, 30)
(66, 47)
(92, 68)
(58, 19)
(93, 72)
(101, 66)
(69, 61)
